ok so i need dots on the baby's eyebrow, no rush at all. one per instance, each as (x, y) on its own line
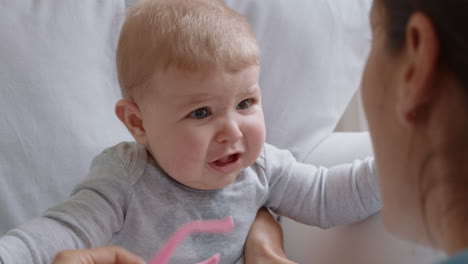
(251, 91)
(196, 96)
(191, 100)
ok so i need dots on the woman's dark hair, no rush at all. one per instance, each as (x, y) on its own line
(450, 20)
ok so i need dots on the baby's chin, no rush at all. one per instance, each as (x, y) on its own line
(217, 180)
(212, 185)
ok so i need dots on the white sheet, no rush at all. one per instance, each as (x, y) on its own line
(313, 53)
(58, 85)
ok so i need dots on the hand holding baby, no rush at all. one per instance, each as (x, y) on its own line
(103, 255)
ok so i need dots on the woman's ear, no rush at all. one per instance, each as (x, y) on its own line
(130, 115)
(421, 55)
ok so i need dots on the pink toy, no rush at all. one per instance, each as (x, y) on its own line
(222, 226)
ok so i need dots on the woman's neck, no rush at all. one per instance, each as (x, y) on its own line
(453, 232)
(447, 202)
(447, 206)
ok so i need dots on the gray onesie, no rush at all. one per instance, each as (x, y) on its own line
(127, 200)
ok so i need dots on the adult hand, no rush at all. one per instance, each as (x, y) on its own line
(103, 255)
(265, 241)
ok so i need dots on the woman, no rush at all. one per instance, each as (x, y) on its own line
(415, 93)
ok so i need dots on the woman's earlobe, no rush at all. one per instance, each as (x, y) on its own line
(414, 116)
(130, 115)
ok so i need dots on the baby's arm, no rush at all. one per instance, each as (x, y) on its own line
(323, 197)
(88, 219)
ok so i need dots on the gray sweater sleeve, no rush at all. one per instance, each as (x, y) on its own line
(89, 218)
(323, 197)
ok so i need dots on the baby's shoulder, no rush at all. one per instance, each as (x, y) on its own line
(270, 156)
(126, 160)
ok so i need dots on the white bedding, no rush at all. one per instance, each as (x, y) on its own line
(58, 85)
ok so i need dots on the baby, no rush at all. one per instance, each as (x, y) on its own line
(189, 72)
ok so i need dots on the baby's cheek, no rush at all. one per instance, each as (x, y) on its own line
(187, 156)
(256, 141)
(258, 131)
(180, 157)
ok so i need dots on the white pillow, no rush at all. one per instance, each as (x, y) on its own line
(58, 90)
(313, 53)
(58, 85)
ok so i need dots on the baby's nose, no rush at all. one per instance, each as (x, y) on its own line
(230, 132)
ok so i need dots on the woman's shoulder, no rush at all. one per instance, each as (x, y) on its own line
(457, 259)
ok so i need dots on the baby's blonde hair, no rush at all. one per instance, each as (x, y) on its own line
(194, 35)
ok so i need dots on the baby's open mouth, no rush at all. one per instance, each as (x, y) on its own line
(226, 160)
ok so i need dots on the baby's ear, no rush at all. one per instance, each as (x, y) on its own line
(129, 113)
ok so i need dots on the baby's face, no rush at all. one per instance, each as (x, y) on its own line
(204, 128)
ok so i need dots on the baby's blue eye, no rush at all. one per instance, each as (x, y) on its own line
(200, 113)
(244, 104)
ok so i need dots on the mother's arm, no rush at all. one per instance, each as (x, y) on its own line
(265, 241)
(103, 255)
